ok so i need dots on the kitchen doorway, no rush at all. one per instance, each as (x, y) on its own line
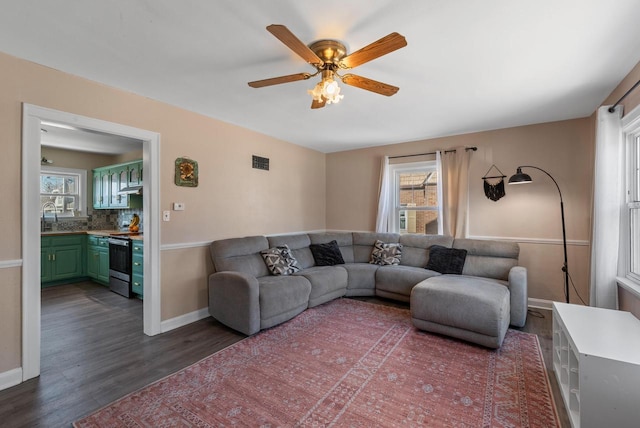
(33, 116)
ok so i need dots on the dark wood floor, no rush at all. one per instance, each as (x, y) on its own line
(94, 352)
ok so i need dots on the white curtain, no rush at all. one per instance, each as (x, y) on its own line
(455, 191)
(608, 198)
(439, 191)
(382, 221)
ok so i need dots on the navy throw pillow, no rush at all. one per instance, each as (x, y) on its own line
(446, 260)
(327, 254)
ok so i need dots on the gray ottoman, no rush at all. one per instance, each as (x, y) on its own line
(469, 308)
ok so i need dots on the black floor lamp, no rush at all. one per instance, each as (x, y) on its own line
(520, 178)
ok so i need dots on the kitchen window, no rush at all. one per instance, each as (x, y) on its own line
(63, 192)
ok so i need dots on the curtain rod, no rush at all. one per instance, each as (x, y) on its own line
(613, 107)
(432, 153)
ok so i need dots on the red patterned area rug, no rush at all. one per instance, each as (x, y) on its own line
(348, 364)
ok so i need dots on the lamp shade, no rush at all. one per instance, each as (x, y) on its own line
(520, 177)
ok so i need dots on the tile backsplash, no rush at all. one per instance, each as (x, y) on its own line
(95, 220)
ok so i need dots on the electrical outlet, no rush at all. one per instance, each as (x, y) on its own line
(166, 215)
(178, 206)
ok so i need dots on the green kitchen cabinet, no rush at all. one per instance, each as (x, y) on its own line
(62, 258)
(101, 188)
(135, 174)
(98, 258)
(137, 267)
(108, 181)
(97, 190)
(119, 179)
(45, 264)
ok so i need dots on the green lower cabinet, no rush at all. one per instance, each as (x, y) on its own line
(137, 284)
(62, 258)
(137, 268)
(98, 259)
(45, 265)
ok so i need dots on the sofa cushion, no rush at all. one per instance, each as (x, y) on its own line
(327, 283)
(470, 308)
(362, 279)
(386, 254)
(489, 259)
(298, 244)
(415, 247)
(280, 296)
(240, 255)
(279, 260)
(327, 254)
(396, 282)
(446, 260)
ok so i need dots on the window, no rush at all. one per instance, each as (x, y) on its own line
(63, 192)
(414, 197)
(633, 206)
(631, 216)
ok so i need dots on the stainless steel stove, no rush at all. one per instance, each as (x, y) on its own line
(120, 265)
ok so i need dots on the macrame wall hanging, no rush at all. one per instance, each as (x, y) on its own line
(494, 190)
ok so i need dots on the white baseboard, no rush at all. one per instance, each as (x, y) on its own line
(10, 378)
(182, 320)
(540, 303)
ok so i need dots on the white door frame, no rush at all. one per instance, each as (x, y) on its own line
(31, 303)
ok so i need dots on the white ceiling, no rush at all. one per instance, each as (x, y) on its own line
(62, 136)
(469, 65)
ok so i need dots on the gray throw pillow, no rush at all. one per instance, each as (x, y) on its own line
(327, 254)
(446, 260)
(386, 254)
(280, 261)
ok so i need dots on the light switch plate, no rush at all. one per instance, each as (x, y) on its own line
(178, 206)
(166, 215)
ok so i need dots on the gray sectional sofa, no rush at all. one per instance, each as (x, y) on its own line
(477, 306)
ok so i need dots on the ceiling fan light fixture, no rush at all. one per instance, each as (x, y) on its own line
(327, 89)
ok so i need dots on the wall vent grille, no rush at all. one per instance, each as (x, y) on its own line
(260, 163)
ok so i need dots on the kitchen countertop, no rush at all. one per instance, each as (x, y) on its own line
(137, 237)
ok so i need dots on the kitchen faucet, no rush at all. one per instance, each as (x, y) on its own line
(55, 212)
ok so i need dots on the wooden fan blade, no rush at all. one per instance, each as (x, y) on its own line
(319, 104)
(369, 84)
(375, 50)
(279, 80)
(283, 34)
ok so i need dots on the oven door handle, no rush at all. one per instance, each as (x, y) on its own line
(120, 242)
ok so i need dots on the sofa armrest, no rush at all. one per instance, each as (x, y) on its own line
(519, 296)
(234, 301)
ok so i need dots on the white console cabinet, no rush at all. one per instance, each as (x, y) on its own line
(596, 359)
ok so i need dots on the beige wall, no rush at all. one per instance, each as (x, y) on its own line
(127, 157)
(529, 214)
(76, 159)
(183, 289)
(10, 321)
(232, 199)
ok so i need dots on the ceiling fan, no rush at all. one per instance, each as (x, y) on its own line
(330, 56)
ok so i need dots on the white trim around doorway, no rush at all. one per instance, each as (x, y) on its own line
(31, 304)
